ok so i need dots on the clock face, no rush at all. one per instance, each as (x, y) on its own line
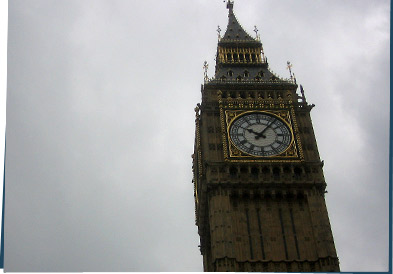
(260, 134)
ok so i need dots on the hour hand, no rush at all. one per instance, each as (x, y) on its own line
(252, 131)
(261, 134)
(257, 134)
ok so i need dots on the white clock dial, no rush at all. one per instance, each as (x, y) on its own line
(260, 134)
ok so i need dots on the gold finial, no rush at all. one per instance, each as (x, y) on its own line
(205, 67)
(289, 66)
(256, 33)
(219, 32)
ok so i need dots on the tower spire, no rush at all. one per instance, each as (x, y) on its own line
(240, 56)
(235, 31)
(230, 6)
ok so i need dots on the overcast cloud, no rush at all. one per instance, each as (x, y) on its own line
(100, 125)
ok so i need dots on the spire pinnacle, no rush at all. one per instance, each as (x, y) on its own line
(230, 5)
(240, 57)
(234, 31)
(219, 32)
(205, 68)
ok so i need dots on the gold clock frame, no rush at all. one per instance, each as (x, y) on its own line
(232, 116)
(293, 153)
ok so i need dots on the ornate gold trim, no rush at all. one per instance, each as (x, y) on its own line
(284, 111)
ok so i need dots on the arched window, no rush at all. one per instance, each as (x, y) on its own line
(298, 172)
(254, 171)
(276, 172)
(253, 57)
(233, 171)
(229, 57)
(247, 57)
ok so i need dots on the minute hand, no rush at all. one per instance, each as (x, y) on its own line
(263, 131)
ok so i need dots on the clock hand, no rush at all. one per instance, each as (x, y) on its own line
(251, 131)
(257, 135)
(263, 131)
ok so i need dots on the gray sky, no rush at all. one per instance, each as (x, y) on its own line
(100, 125)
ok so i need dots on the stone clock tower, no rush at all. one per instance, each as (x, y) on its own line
(258, 179)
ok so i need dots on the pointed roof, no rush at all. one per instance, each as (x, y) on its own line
(235, 31)
(240, 59)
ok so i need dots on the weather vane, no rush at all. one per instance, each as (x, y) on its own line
(219, 32)
(205, 67)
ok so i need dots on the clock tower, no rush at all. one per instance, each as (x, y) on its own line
(258, 179)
